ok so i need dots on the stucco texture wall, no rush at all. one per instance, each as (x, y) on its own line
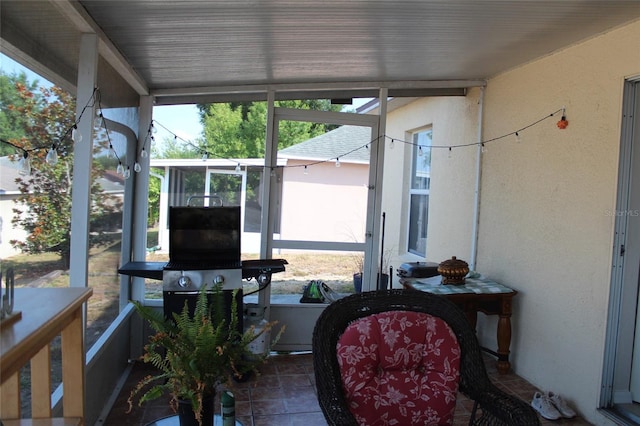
(327, 203)
(544, 228)
(451, 197)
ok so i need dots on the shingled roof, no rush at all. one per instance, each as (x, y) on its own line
(347, 142)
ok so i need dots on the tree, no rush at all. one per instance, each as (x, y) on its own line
(44, 207)
(12, 119)
(237, 130)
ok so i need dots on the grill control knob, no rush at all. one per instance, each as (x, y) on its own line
(218, 279)
(184, 281)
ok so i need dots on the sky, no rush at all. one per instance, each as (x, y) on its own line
(180, 120)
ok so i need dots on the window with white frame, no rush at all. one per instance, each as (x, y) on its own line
(419, 192)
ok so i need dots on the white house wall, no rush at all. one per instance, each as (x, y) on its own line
(451, 197)
(546, 223)
(8, 231)
(546, 210)
(325, 204)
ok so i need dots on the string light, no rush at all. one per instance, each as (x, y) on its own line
(562, 124)
(76, 136)
(97, 122)
(237, 169)
(52, 156)
(482, 144)
(518, 137)
(306, 170)
(25, 164)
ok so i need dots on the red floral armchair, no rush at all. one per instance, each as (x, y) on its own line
(399, 357)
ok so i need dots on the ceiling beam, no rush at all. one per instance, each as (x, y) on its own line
(329, 90)
(78, 16)
(323, 87)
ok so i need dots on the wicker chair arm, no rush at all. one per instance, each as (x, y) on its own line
(501, 409)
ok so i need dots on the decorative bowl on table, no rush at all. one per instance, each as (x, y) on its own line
(453, 271)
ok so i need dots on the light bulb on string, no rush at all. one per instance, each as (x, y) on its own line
(120, 169)
(392, 144)
(449, 156)
(97, 122)
(76, 136)
(127, 173)
(273, 172)
(154, 129)
(111, 153)
(237, 169)
(518, 137)
(143, 153)
(205, 156)
(483, 148)
(420, 151)
(25, 164)
(137, 167)
(337, 161)
(306, 170)
(52, 156)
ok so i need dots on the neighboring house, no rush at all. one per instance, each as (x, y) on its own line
(548, 208)
(111, 183)
(315, 191)
(9, 171)
(308, 188)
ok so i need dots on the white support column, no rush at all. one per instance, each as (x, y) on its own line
(374, 209)
(141, 193)
(270, 161)
(82, 162)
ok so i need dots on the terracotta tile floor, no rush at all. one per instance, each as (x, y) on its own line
(285, 395)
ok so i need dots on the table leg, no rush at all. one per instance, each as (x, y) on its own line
(504, 336)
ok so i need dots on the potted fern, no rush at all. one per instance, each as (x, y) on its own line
(194, 353)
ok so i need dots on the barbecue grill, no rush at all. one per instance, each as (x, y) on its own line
(204, 250)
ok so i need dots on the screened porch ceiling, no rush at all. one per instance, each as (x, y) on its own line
(200, 51)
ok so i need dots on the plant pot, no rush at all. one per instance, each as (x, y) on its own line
(188, 418)
(382, 283)
(357, 282)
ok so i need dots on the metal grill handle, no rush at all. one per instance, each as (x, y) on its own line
(217, 203)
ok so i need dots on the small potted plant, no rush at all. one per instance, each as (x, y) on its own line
(194, 353)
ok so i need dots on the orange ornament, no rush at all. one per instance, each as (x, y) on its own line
(563, 123)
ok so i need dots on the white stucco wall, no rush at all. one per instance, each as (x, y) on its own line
(8, 231)
(454, 122)
(543, 225)
(544, 228)
(328, 203)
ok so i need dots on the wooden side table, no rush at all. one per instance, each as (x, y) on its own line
(477, 295)
(46, 313)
